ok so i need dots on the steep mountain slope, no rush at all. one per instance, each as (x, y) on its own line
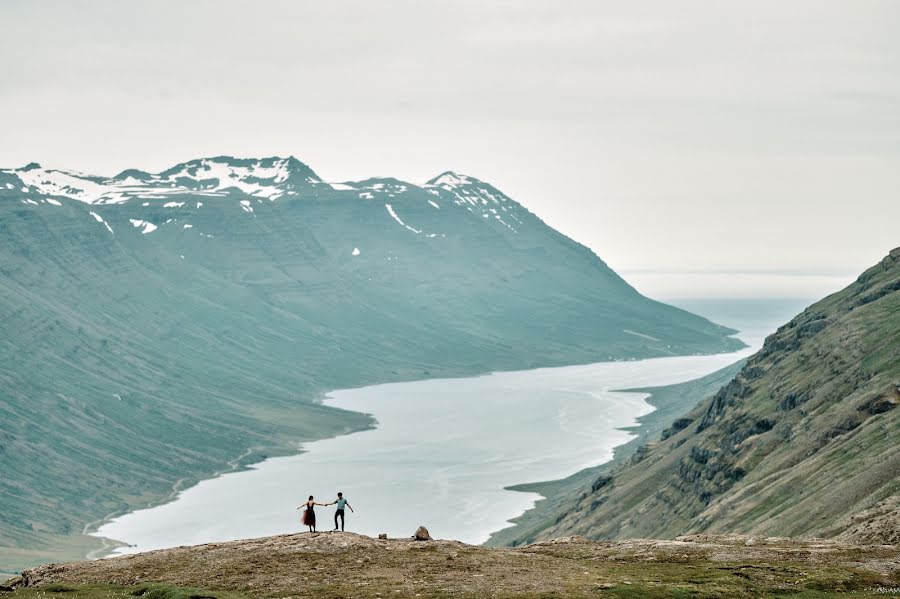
(158, 328)
(805, 440)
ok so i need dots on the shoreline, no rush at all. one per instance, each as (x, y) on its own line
(86, 544)
(509, 521)
(667, 404)
(541, 489)
(109, 544)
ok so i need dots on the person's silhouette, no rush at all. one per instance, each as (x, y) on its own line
(309, 514)
(340, 502)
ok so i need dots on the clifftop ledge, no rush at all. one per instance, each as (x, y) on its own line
(347, 564)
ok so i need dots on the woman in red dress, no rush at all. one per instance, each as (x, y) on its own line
(309, 514)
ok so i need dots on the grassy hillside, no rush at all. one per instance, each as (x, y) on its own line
(179, 325)
(337, 565)
(802, 442)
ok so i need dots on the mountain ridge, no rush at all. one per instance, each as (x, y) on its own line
(40, 180)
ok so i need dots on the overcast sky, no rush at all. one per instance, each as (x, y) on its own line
(700, 148)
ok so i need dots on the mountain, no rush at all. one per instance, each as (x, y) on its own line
(803, 441)
(161, 327)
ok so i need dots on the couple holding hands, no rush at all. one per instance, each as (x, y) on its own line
(309, 514)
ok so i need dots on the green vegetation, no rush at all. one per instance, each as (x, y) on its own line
(801, 442)
(665, 581)
(136, 364)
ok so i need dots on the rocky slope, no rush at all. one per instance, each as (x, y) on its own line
(161, 327)
(348, 565)
(804, 441)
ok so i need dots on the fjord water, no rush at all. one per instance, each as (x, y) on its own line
(442, 451)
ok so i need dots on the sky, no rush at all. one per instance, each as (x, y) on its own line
(715, 148)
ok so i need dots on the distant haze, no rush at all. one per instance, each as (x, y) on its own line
(701, 148)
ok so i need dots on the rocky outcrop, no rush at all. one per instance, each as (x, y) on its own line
(878, 524)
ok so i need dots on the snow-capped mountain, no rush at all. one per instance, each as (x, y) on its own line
(248, 180)
(269, 178)
(453, 230)
(156, 325)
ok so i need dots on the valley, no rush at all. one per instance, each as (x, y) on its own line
(159, 326)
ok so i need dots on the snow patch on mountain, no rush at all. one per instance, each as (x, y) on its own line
(58, 183)
(147, 226)
(390, 187)
(642, 335)
(217, 176)
(268, 178)
(393, 214)
(99, 219)
(260, 180)
(475, 196)
(450, 180)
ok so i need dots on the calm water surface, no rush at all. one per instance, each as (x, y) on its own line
(442, 452)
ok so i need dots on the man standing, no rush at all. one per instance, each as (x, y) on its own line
(340, 502)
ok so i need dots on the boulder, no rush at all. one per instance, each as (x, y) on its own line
(422, 534)
(382, 535)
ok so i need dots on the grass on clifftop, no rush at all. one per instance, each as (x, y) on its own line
(696, 580)
(326, 565)
(112, 591)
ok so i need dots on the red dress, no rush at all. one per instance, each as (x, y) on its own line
(309, 515)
